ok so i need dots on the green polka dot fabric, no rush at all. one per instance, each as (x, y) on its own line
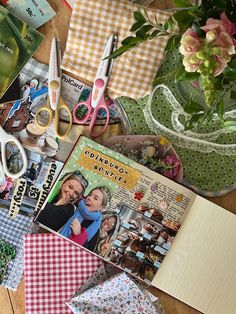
(208, 173)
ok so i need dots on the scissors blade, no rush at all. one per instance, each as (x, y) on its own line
(105, 66)
(54, 80)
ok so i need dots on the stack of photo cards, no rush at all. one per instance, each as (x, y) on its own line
(18, 42)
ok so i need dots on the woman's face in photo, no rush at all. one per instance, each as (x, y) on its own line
(71, 189)
(109, 223)
(94, 200)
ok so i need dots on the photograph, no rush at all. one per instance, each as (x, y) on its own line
(39, 176)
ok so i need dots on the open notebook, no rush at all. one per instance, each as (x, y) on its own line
(148, 225)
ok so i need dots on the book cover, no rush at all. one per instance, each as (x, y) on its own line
(18, 42)
(116, 208)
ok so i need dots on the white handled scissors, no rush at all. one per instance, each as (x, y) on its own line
(54, 102)
(6, 139)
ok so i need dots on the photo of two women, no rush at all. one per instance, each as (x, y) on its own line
(81, 217)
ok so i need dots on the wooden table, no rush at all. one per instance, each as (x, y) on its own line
(13, 302)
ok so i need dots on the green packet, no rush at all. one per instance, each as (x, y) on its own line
(18, 42)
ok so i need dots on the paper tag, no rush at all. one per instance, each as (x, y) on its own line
(147, 236)
(46, 186)
(140, 255)
(117, 242)
(126, 225)
(147, 214)
(17, 197)
(157, 264)
(160, 250)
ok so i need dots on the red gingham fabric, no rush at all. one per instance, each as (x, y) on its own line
(54, 270)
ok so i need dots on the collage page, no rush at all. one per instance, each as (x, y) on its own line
(116, 208)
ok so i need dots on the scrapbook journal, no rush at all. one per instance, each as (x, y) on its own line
(146, 224)
(18, 42)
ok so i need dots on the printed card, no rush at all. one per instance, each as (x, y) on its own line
(34, 12)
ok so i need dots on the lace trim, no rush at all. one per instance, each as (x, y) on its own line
(188, 139)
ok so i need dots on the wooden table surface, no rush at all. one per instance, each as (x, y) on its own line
(13, 302)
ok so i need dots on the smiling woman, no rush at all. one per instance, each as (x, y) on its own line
(89, 209)
(61, 204)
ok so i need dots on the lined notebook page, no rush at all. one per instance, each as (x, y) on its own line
(200, 268)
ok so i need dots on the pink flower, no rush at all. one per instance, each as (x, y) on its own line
(222, 25)
(174, 162)
(190, 43)
(191, 63)
(219, 37)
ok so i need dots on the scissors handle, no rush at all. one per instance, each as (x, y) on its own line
(102, 104)
(7, 139)
(48, 120)
(60, 133)
(87, 104)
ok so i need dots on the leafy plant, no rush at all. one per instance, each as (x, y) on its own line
(209, 60)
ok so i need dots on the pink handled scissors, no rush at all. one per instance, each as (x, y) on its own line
(96, 98)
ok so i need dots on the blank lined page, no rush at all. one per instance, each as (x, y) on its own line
(200, 268)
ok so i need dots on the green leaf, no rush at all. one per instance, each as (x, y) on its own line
(230, 125)
(137, 25)
(208, 115)
(193, 107)
(182, 3)
(230, 11)
(130, 41)
(154, 34)
(233, 94)
(142, 32)
(220, 109)
(182, 75)
(173, 42)
(119, 52)
(230, 70)
(191, 123)
(184, 19)
(139, 17)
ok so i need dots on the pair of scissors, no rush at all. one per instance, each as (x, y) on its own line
(96, 98)
(8, 139)
(44, 114)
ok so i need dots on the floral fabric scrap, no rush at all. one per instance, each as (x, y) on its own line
(119, 294)
(7, 253)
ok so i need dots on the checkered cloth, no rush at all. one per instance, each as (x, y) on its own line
(12, 231)
(54, 269)
(33, 70)
(91, 24)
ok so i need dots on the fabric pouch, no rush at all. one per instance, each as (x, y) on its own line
(91, 24)
(118, 294)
